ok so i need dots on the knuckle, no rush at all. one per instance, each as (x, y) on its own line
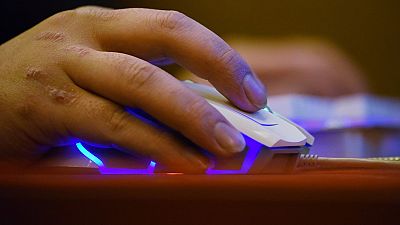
(62, 17)
(162, 137)
(231, 61)
(90, 7)
(116, 119)
(172, 20)
(135, 72)
(228, 56)
(200, 110)
(96, 12)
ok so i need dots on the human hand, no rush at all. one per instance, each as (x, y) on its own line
(71, 76)
(301, 66)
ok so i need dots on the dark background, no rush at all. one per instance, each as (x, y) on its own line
(368, 30)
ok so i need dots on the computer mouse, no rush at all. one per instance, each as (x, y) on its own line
(273, 145)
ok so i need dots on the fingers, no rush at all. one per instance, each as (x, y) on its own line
(158, 35)
(303, 66)
(100, 121)
(134, 82)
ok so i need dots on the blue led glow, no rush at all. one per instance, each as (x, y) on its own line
(253, 149)
(89, 155)
(148, 171)
(104, 170)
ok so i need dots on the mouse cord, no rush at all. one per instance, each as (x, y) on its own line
(308, 161)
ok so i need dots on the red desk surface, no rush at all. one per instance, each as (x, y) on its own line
(333, 197)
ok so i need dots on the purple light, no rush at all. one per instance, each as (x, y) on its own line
(148, 171)
(253, 149)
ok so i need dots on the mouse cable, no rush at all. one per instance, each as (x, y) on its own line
(309, 161)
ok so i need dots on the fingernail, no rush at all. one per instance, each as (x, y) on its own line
(229, 138)
(255, 91)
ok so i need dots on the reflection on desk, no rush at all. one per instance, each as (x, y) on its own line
(334, 197)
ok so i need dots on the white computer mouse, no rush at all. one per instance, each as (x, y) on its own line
(265, 126)
(273, 145)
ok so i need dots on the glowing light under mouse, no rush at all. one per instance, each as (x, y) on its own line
(253, 149)
(104, 170)
(89, 155)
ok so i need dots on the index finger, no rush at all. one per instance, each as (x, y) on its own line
(158, 35)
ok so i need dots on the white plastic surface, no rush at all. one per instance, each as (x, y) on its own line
(264, 126)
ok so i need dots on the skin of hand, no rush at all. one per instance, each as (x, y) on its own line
(70, 78)
(300, 66)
